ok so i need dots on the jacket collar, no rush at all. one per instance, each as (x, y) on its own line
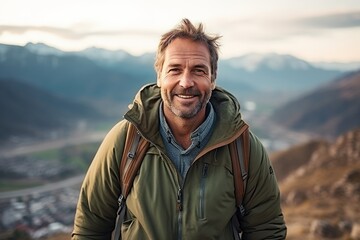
(144, 114)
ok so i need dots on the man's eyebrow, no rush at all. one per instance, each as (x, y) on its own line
(199, 65)
(203, 66)
(174, 65)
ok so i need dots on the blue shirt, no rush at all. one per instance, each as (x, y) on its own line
(183, 158)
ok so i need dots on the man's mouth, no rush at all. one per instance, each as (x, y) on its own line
(185, 96)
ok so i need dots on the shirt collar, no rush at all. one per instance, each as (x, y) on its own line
(198, 135)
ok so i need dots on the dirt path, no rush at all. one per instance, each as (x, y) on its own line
(44, 188)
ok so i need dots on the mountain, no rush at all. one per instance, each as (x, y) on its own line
(320, 187)
(345, 67)
(101, 76)
(329, 110)
(101, 68)
(287, 161)
(43, 49)
(274, 72)
(110, 79)
(73, 75)
(29, 111)
(252, 62)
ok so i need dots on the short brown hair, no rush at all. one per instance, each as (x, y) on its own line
(187, 30)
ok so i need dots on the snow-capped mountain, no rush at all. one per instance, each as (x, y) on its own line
(254, 61)
(43, 49)
(104, 55)
(100, 55)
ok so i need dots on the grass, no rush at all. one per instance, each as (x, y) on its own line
(78, 162)
(13, 185)
(76, 159)
(46, 155)
(78, 156)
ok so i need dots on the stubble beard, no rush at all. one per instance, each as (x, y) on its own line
(168, 99)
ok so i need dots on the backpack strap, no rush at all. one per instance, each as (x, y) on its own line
(240, 155)
(133, 154)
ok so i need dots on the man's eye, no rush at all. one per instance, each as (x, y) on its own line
(199, 71)
(174, 70)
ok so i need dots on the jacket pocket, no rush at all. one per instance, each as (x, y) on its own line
(204, 173)
(131, 229)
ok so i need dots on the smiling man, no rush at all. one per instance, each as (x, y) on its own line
(186, 85)
(184, 188)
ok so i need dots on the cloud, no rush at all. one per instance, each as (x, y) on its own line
(72, 34)
(335, 20)
(278, 28)
(255, 29)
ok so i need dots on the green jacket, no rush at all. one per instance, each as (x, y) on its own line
(207, 191)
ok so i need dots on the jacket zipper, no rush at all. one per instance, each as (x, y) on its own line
(179, 200)
(180, 208)
(202, 191)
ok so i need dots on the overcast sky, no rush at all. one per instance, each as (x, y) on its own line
(314, 30)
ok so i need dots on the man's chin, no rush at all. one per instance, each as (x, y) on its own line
(185, 113)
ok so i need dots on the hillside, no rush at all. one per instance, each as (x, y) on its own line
(317, 180)
(329, 110)
(287, 161)
(72, 75)
(30, 111)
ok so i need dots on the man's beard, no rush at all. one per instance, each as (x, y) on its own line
(189, 112)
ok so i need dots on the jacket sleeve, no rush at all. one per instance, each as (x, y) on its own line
(263, 216)
(97, 205)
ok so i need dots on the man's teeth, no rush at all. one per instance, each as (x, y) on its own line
(185, 96)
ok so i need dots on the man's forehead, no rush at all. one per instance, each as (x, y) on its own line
(191, 55)
(183, 49)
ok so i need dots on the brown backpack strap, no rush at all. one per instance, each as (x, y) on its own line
(240, 156)
(133, 154)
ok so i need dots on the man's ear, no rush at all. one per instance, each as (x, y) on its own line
(158, 82)
(158, 79)
(213, 85)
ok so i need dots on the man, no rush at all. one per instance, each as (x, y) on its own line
(184, 188)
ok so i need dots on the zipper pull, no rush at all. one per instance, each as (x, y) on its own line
(121, 202)
(179, 200)
(205, 170)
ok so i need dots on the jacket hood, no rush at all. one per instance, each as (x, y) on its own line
(144, 113)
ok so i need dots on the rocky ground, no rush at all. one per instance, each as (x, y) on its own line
(321, 199)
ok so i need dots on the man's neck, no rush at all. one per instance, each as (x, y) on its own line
(182, 128)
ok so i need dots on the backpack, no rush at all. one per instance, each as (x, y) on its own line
(135, 150)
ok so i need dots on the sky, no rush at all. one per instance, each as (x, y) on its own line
(313, 30)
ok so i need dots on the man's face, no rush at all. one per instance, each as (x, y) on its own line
(185, 79)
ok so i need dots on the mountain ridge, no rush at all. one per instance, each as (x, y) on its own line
(272, 72)
(120, 53)
(328, 110)
(29, 111)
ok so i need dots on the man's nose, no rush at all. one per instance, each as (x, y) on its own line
(186, 80)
